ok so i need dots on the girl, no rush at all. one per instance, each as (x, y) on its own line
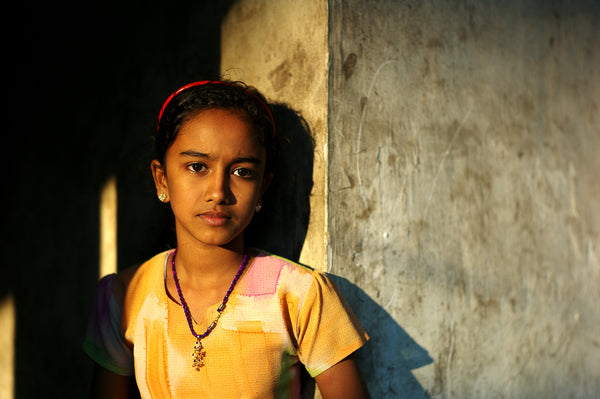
(213, 318)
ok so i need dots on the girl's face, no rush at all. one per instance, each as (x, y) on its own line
(214, 177)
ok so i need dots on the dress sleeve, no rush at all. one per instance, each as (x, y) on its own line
(327, 330)
(104, 341)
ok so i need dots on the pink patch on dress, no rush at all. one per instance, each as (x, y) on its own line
(262, 277)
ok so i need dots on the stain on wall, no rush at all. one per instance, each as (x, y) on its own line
(281, 48)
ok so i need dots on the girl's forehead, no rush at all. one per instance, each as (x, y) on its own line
(219, 129)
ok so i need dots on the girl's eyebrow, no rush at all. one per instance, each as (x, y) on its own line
(196, 154)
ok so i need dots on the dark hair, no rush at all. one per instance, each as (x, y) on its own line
(188, 102)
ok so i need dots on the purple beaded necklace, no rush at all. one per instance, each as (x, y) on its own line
(199, 353)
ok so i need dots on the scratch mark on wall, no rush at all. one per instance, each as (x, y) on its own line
(336, 129)
(574, 221)
(391, 300)
(444, 157)
(360, 126)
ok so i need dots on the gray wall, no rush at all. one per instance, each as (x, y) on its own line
(464, 219)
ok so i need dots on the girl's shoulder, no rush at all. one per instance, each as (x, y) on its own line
(144, 275)
(266, 263)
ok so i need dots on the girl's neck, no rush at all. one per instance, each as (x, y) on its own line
(202, 264)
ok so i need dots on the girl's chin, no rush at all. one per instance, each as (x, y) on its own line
(217, 233)
(216, 240)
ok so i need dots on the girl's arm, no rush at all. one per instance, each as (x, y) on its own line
(342, 381)
(109, 385)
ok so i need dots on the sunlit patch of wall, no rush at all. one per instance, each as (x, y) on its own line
(287, 60)
(7, 347)
(108, 227)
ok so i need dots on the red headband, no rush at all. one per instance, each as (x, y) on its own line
(205, 82)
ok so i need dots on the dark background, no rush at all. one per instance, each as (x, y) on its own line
(83, 84)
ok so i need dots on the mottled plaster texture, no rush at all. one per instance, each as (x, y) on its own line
(464, 219)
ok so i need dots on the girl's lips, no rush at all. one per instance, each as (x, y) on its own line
(214, 218)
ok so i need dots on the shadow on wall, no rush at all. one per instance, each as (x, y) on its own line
(281, 228)
(390, 354)
(282, 224)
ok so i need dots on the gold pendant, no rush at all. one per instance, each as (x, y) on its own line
(198, 355)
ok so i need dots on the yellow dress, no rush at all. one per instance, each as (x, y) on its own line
(281, 316)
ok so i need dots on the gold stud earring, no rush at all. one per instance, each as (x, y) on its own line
(258, 207)
(162, 197)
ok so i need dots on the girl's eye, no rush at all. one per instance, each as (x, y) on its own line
(196, 167)
(244, 172)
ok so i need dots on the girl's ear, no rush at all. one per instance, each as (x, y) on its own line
(160, 180)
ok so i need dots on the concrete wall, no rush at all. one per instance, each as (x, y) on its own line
(463, 194)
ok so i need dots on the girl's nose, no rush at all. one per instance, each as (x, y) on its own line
(218, 190)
